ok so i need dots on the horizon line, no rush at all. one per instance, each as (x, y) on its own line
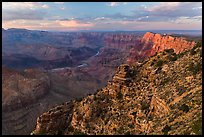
(104, 30)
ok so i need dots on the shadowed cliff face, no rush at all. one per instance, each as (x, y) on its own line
(162, 95)
(22, 88)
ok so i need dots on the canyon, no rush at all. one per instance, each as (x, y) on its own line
(44, 69)
(145, 99)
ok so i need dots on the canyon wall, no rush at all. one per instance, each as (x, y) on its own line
(145, 99)
(152, 43)
(162, 42)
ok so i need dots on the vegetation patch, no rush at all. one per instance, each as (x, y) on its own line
(193, 50)
(144, 106)
(169, 50)
(184, 108)
(166, 129)
(94, 98)
(159, 63)
(197, 126)
(195, 68)
(150, 118)
(180, 55)
(166, 80)
(78, 132)
(181, 89)
(131, 126)
(128, 133)
(42, 132)
(119, 95)
(173, 57)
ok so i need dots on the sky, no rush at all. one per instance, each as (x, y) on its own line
(76, 16)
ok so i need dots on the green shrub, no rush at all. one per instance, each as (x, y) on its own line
(173, 57)
(106, 121)
(184, 108)
(180, 54)
(131, 126)
(195, 68)
(153, 62)
(166, 80)
(78, 132)
(169, 50)
(127, 133)
(150, 118)
(144, 105)
(120, 130)
(94, 97)
(42, 132)
(159, 63)
(198, 44)
(134, 113)
(119, 95)
(197, 126)
(99, 112)
(192, 52)
(166, 129)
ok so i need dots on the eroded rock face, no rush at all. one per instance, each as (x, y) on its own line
(159, 42)
(124, 41)
(152, 43)
(21, 89)
(55, 120)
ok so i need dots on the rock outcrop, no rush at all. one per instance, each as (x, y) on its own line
(152, 43)
(162, 42)
(55, 120)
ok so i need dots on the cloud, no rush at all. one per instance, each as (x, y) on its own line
(23, 10)
(59, 2)
(62, 8)
(164, 11)
(114, 4)
(61, 5)
(61, 25)
(23, 5)
(75, 24)
(102, 18)
(35, 15)
(174, 9)
(188, 20)
(164, 6)
(18, 15)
